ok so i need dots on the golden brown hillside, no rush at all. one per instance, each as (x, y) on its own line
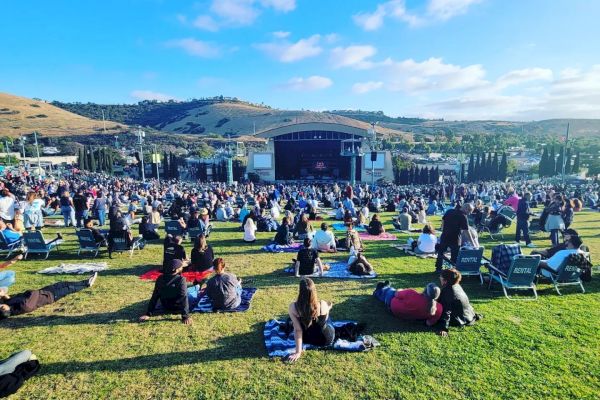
(20, 115)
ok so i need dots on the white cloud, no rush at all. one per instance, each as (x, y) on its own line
(446, 9)
(280, 5)
(353, 56)
(206, 22)
(433, 74)
(195, 47)
(311, 83)
(332, 38)
(285, 51)
(281, 34)
(437, 10)
(238, 12)
(151, 95)
(365, 87)
(520, 76)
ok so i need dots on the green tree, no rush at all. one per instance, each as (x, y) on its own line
(503, 168)
(543, 167)
(551, 163)
(471, 169)
(575, 168)
(495, 171)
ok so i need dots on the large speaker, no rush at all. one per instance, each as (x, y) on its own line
(373, 156)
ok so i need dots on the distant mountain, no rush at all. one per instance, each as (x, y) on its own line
(20, 115)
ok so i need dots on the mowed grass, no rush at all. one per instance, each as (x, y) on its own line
(91, 346)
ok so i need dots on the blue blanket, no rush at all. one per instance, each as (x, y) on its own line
(277, 248)
(338, 270)
(280, 344)
(340, 226)
(200, 302)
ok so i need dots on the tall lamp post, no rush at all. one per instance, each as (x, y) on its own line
(22, 142)
(141, 135)
(37, 150)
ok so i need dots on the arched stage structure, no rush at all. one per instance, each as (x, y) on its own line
(318, 151)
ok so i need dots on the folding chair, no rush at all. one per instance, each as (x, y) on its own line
(520, 276)
(468, 262)
(35, 243)
(509, 214)
(173, 228)
(87, 242)
(567, 274)
(9, 248)
(121, 243)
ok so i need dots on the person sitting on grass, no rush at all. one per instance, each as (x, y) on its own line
(375, 226)
(409, 304)
(426, 242)
(310, 318)
(324, 240)
(307, 261)
(170, 291)
(174, 251)
(202, 255)
(283, 237)
(147, 230)
(224, 289)
(250, 228)
(402, 223)
(31, 300)
(304, 228)
(353, 238)
(457, 311)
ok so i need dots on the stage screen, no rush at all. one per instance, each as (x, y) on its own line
(379, 163)
(263, 161)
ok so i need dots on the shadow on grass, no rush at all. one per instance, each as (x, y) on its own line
(247, 345)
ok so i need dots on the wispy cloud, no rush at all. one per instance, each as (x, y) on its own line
(311, 83)
(151, 95)
(446, 9)
(353, 56)
(281, 34)
(285, 51)
(194, 47)
(365, 87)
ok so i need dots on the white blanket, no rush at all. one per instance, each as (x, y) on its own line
(84, 268)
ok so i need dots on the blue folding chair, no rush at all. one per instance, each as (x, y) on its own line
(35, 244)
(468, 262)
(567, 274)
(120, 243)
(173, 228)
(87, 242)
(9, 248)
(520, 276)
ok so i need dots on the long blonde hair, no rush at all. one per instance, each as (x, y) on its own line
(307, 303)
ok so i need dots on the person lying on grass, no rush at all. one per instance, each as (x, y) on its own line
(310, 317)
(457, 311)
(409, 304)
(171, 290)
(307, 261)
(224, 289)
(31, 300)
(358, 264)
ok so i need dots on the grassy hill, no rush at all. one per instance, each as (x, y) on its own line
(20, 115)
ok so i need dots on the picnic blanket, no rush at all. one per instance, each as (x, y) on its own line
(340, 226)
(337, 270)
(281, 344)
(190, 276)
(54, 222)
(277, 248)
(83, 268)
(408, 250)
(383, 236)
(200, 302)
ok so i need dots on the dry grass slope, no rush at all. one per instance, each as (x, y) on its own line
(20, 115)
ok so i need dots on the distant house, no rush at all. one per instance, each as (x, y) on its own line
(50, 150)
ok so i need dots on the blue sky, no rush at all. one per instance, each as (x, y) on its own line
(453, 59)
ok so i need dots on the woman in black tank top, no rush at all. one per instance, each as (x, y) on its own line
(310, 317)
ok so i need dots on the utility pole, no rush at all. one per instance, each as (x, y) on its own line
(37, 149)
(156, 159)
(141, 134)
(564, 162)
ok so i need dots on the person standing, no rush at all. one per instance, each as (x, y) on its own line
(454, 223)
(523, 215)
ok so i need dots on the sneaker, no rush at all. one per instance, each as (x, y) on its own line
(531, 246)
(92, 279)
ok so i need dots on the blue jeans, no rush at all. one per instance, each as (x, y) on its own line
(101, 217)
(7, 278)
(554, 237)
(523, 226)
(385, 294)
(80, 217)
(69, 215)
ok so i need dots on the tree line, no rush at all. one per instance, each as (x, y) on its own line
(414, 175)
(95, 159)
(486, 167)
(551, 164)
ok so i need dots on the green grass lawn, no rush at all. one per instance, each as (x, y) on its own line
(91, 346)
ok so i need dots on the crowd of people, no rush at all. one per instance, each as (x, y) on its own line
(110, 207)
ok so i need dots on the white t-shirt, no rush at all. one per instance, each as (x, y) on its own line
(427, 242)
(250, 230)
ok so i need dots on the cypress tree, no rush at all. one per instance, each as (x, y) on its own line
(503, 168)
(568, 161)
(477, 170)
(543, 167)
(92, 160)
(551, 163)
(559, 162)
(495, 173)
(471, 168)
(575, 168)
(462, 170)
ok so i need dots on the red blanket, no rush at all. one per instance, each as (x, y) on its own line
(383, 236)
(191, 276)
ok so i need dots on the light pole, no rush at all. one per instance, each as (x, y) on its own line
(564, 162)
(22, 141)
(156, 160)
(141, 134)
(6, 151)
(37, 150)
